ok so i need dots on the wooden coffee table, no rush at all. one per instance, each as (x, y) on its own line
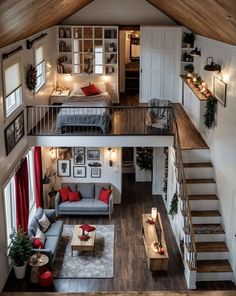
(80, 245)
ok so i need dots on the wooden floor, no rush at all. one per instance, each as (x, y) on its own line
(131, 273)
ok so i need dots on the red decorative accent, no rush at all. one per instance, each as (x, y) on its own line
(38, 177)
(91, 90)
(37, 243)
(150, 221)
(84, 237)
(161, 251)
(87, 227)
(105, 195)
(45, 278)
(64, 192)
(74, 196)
(22, 196)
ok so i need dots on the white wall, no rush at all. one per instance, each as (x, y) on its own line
(136, 12)
(222, 139)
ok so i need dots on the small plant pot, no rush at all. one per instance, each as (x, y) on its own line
(20, 271)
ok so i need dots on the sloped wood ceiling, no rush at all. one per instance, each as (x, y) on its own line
(20, 19)
(215, 19)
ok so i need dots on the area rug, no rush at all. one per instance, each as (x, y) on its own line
(83, 264)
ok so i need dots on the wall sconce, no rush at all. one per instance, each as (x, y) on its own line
(110, 151)
(154, 214)
(195, 52)
(53, 154)
(212, 66)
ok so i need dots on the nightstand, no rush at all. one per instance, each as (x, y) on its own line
(59, 97)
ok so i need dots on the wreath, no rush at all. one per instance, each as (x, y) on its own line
(144, 158)
(31, 77)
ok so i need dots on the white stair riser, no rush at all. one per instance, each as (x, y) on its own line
(212, 255)
(214, 276)
(210, 237)
(201, 205)
(206, 220)
(195, 173)
(196, 155)
(209, 188)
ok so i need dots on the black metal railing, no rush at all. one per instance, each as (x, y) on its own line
(67, 120)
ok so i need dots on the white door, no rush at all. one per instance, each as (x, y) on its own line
(159, 62)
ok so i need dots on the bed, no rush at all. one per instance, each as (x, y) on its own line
(92, 111)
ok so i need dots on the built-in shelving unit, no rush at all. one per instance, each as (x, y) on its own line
(64, 61)
(186, 58)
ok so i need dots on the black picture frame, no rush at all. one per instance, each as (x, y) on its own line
(77, 161)
(96, 173)
(93, 154)
(63, 167)
(14, 132)
(79, 171)
(219, 90)
(79, 150)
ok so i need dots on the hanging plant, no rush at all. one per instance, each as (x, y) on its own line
(174, 205)
(210, 112)
(144, 158)
(31, 77)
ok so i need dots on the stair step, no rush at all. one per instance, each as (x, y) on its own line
(202, 197)
(213, 266)
(205, 213)
(211, 247)
(208, 229)
(198, 165)
(200, 181)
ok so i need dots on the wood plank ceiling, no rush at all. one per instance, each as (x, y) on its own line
(20, 19)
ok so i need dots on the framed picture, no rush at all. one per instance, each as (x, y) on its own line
(96, 173)
(79, 150)
(219, 90)
(63, 167)
(79, 159)
(64, 153)
(93, 155)
(14, 132)
(79, 171)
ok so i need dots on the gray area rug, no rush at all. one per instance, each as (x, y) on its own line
(83, 264)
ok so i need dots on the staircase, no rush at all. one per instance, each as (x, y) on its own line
(212, 252)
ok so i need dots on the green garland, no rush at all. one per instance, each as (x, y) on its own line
(174, 205)
(210, 112)
(144, 158)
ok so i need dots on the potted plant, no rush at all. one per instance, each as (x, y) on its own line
(188, 39)
(19, 251)
(189, 68)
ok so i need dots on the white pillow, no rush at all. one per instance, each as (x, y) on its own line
(76, 88)
(44, 223)
(40, 236)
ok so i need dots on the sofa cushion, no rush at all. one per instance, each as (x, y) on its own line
(33, 226)
(99, 186)
(84, 205)
(72, 186)
(74, 196)
(51, 243)
(105, 195)
(39, 213)
(44, 223)
(55, 229)
(64, 193)
(99, 206)
(86, 190)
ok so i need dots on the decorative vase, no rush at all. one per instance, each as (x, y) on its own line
(20, 271)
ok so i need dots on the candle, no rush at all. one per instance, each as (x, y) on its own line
(154, 214)
(204, 84)
(194, 79)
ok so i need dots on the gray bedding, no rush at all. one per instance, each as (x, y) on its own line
(87, 111)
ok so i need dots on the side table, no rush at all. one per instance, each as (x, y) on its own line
(59, 97)
(35, 267)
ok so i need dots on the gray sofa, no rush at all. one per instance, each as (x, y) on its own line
(53, 234)
(89, 204)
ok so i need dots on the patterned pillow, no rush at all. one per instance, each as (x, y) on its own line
(40, 236)
(44, 223)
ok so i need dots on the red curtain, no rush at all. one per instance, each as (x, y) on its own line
(38, 174)
(22, 196)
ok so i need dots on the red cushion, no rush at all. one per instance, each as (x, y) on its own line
(74, 196)
(105, 195)
(88, 227)
(91, 90)
(45, 278)
(64, 192)
(37, 243)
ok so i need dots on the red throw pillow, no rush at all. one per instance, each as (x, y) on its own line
(37, 243)
(64, 192)
(91, 90)
(87, 227)
(104, 195)
(74, 196)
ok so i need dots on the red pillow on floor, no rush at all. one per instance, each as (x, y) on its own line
(91, 90)
(74, 196)
(64, 192)
(104, 195)
(37, 243)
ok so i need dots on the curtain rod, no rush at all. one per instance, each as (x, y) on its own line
(30, 43)
(7, 55)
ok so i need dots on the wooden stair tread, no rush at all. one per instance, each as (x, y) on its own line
(211, 247)
(208, 229)
(205, 213)
(198, 165)
(200, 181)
(213, 266)
(203, 197)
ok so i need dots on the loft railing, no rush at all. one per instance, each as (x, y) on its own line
(190, 245)
(51, 120)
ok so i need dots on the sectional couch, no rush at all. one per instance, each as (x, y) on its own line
(89, 204)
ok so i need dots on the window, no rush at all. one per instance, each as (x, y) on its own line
(12, 86)
(98, 60)
(40, 65)
(30, 162)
